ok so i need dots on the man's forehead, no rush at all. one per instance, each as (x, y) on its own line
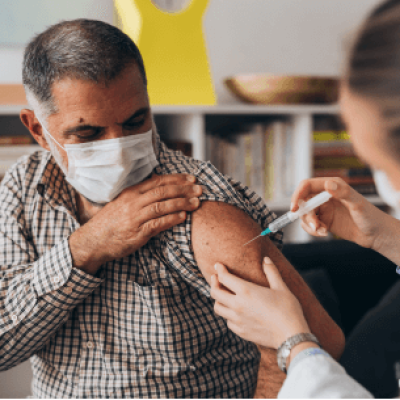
(125, 94)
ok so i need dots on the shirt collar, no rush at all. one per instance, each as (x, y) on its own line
(52, 186)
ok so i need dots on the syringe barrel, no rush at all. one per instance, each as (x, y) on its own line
(282, 221)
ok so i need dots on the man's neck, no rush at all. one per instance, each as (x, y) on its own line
(86, 209)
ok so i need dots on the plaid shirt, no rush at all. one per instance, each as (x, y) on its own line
(144, 326)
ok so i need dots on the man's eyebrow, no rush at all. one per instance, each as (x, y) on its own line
(82, 128)
(138, 113)
(87, 127)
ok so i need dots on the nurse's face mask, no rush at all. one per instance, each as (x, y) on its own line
(385, 189)
(101, 170)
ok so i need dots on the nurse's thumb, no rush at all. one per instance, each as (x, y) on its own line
(274, 277)
(340, 190)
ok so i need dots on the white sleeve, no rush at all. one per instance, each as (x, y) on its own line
(320, 376)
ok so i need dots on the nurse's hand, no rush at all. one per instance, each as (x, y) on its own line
(265, 316)
(347, 214)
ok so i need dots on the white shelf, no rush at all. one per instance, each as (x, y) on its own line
(230, 109)
(248, 109)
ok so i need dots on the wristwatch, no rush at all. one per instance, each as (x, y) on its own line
(285, 348)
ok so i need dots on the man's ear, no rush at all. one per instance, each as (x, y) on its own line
(29, 119)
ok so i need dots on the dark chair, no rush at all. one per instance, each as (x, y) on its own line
(351, 279)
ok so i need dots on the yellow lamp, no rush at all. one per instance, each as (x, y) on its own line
(173, 49)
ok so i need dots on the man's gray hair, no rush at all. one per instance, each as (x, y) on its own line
(78, 49)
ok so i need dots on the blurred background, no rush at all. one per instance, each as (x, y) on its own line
(279, 37)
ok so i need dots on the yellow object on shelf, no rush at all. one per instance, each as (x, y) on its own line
(173, 49)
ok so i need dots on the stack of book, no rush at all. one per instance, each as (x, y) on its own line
(334, 156)
(259, 155)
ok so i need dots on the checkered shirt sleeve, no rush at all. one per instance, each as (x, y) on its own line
(37, 294)
(216, 187)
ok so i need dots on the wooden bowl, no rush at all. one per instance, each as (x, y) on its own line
(270, 89)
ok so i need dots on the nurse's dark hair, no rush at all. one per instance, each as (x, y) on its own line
(373, 70)
(79, 49)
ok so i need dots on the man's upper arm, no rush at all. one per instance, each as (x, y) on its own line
(219, 232)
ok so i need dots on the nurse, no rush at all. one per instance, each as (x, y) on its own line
(370, 107)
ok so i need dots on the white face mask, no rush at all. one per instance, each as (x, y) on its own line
(385, 189)
(101, 170)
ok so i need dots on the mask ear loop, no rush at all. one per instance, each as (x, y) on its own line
(54, 150)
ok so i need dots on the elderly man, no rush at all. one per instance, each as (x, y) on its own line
(107, 256)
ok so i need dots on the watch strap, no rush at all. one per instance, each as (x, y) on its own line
(285, 348)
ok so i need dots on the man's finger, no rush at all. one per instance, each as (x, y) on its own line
(219, 294)
(166, 192)
(161, 208)
(232, 282)
(157, 225)
(274, 277)
(162, 180)
(224, 311)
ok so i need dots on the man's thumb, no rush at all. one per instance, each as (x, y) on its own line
(273, 275)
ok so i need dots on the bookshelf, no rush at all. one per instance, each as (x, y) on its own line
(191, 123)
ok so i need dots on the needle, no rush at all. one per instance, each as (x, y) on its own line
(252, 240)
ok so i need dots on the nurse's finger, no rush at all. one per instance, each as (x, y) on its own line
(310, 230)
(307, 189)
(232, 282)
(311, 220)
(163, 180)
(340, 190)
(322, 230)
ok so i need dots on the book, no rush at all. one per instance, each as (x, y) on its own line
(258, 155)
(16, 140)
(176, 145)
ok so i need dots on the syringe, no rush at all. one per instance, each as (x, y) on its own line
(290, 216)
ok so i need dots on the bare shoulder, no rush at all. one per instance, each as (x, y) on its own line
(219, 231)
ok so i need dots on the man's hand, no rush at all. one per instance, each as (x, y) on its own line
(129, 221)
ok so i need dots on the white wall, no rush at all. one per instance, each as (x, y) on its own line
(244, 36)
(279, 36)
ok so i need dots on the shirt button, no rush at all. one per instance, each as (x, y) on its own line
(68, 290)
(56, 279)
(14, 317)
(89, 345)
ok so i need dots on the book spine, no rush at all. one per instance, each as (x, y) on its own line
(15, 140)
(248, 161)
(278, 129)
(268, 163)
(289, 164)
(257, 171)
(337, 162)
(240, 170)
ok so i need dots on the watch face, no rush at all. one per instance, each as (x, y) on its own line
(171, 6)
